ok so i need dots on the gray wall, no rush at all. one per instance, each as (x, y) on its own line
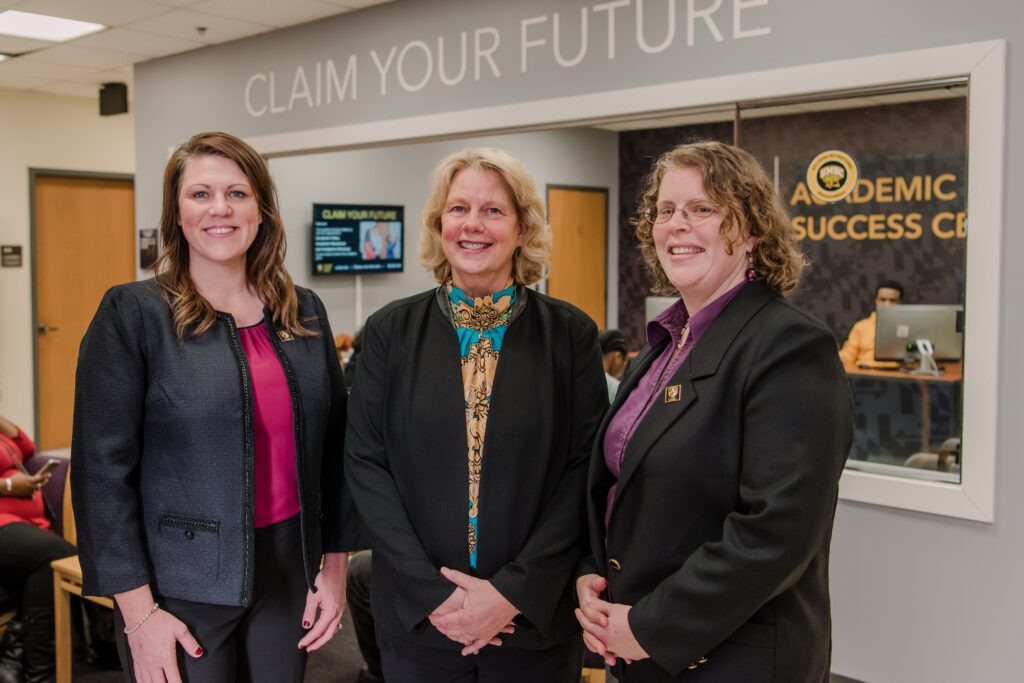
(916, 597)
(399, 175)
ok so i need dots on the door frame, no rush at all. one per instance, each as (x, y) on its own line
(607, 224)
(33, 174)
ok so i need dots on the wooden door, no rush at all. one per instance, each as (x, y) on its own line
(579, 223)
(84, 244)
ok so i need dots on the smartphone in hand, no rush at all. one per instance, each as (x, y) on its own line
(49, 466)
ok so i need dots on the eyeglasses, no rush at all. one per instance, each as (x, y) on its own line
(693, 212)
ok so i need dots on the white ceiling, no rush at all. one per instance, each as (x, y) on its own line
(140, 30)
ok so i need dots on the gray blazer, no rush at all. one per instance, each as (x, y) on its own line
(163, 450)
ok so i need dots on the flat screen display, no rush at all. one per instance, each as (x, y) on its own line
(357, 238)
(900, 326)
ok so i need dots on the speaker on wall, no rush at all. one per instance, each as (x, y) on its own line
(113, 99)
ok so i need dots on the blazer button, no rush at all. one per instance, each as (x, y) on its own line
(614, 564)
(702, 660)
(189, 534)
(692, 666)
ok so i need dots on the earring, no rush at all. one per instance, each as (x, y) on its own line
(751, 272)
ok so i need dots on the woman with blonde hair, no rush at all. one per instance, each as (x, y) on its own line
(208, 433)
(714, 478)
(470, 424)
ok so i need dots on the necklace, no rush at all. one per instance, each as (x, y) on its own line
(683, 337)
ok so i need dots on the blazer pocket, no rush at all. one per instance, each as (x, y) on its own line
(187, 547)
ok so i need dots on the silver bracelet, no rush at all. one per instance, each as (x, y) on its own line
(151, 612)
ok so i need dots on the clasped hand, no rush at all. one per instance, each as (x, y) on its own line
(475, 614)
(606, 630)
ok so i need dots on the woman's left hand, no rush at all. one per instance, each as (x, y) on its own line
(617, 636)
(485, 613)
(329, 599)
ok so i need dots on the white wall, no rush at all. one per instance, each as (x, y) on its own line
(44, 132)
(399, 175)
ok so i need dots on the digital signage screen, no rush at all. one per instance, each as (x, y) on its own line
(357, 238)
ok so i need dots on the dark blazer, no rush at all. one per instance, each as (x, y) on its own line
(407, 465)
(719, 532)
(163, 450)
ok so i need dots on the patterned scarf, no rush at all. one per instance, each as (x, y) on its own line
(480, 325)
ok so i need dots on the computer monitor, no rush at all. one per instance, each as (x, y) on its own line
(899, 328)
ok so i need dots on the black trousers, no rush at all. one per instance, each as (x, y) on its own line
(357, 594)
(257, 643)
(405, 662)
(25, 555)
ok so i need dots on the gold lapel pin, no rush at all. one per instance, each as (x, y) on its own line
(674, 393)
(285, 336)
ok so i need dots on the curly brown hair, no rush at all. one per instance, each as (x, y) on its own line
(734, 180)
(264, 261)
(529, 261)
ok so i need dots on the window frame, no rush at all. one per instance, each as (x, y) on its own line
(984, 65)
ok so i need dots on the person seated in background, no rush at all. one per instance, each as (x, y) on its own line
(28, 546)
(343, 345)
(859, 349)
(615, 357)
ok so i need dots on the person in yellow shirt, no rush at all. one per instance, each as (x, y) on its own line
(859, 349)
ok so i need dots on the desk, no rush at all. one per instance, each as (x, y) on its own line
(898, 413)
(67, 579)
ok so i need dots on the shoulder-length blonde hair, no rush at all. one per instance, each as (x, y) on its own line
(264, 261)
(735, 181)
(529, 261)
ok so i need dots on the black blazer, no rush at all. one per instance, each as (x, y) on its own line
(163, 450)
(719, 532)
(406, 463)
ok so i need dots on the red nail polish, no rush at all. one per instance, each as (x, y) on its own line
(305, 624)
(199, 652)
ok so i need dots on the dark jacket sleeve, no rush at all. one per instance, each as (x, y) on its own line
(418, 583)
(106, 447)
(536, 580)
(797, 424)
(341, 525)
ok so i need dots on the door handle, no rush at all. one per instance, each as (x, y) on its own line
(44, 328)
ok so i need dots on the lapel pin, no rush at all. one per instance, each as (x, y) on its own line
(285, 336)
(674, 393)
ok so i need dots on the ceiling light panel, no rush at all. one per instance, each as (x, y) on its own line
(44, 27)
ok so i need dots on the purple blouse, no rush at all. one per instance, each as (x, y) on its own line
(670, 324)
(276, 479)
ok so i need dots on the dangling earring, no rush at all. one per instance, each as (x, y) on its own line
(751, 273)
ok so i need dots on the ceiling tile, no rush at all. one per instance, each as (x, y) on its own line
(75, 54)
(15, 46)
(182, 24)
(106, 12)
(137, 42)
(121, 75)
(71, 88)
(19, 82)
(270, 12)
(28, 66)
(176, 3)
(357, 4)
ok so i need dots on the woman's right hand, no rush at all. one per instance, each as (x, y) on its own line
(154, 648)
(154, 643)
(588, 592)
(24, 485)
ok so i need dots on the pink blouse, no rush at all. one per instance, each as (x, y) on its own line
(277, 487)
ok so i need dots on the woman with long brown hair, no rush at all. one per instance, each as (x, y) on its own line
(209, 420)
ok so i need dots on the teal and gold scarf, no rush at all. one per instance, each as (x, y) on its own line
(480, 325)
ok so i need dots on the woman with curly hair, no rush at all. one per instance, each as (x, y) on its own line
(714, 479)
